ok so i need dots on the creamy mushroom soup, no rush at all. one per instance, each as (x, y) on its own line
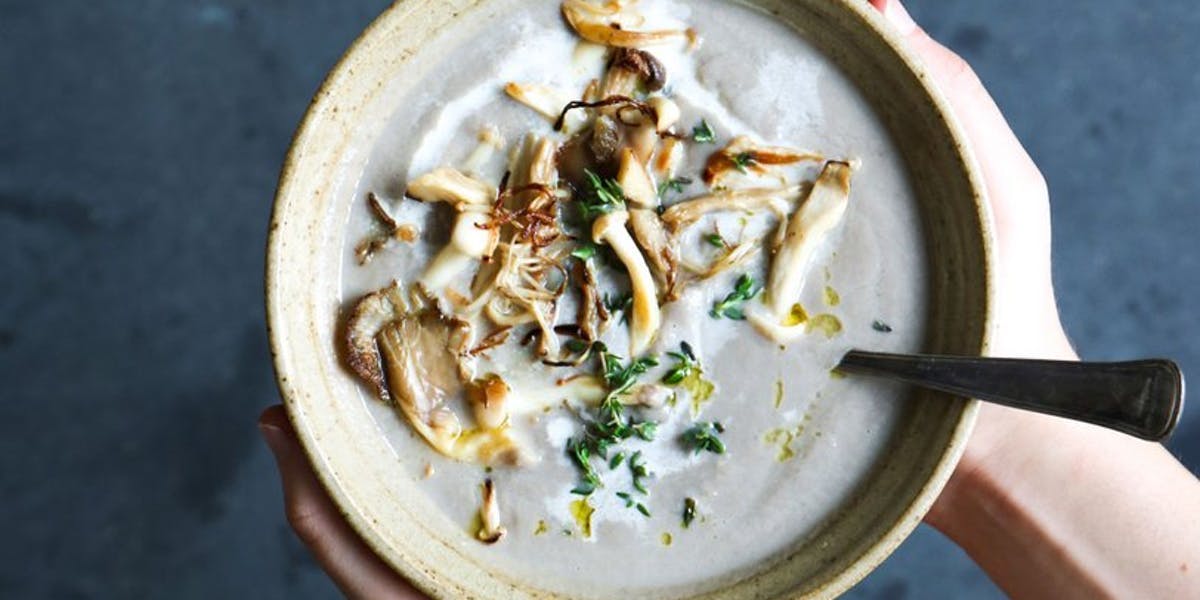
(597, 279)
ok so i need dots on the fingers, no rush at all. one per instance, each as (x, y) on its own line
(1016, 189)
(318, 523)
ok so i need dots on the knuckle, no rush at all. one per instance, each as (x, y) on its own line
(307, 521)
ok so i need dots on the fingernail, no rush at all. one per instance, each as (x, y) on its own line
(899, 17)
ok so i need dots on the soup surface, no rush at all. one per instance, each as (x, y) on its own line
(797, 439)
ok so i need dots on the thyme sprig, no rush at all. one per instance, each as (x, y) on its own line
(731, 307)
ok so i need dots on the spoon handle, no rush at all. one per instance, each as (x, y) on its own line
(1142, 398)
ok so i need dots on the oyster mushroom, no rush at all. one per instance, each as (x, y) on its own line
(489, 400)
(490, 529)
(472, 239)
(423, 375)
(600, 24)
(367, 319)
(660, 248)
(777, 200)
(628, 68)
(548, 101)
(635, 181)
(451, 186)
(646, 318)
(743, 155)
(813, 221)
(413, 357)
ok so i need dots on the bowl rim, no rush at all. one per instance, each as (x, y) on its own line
(874, 23)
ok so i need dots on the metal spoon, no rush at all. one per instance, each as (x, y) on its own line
(1142, 398)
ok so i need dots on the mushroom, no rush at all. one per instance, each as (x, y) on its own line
(423, 375)
(646, 318)
(743, 155)
(490, 141)
(415, 358)
(547, 101)
(488, 397)
(451, 186)
(635, 181)
(599, 24)
(367, 319)
(630, 67)
(777, 200)
(660, 248)
(472, 239)
(490, 530)
(592, 314)
(812, 222)
(668, 158)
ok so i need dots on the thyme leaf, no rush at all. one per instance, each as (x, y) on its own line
(731, 307)
(703, 133)
(704, 437)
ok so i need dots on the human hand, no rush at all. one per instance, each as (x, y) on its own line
(354, 567)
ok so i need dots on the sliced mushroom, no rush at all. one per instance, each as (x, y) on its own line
(592, 313)
(646, 318)
(490, 530)
(812, 222)
(635, 181)
(451, 186)
(777, 200)
(598, 24)
(489, 400)
(666, 110)
(370, 315)
(472, 239)
(668, 158)
(660, 248)
(630, 67)
(743, 155)
(548, 101)
(421, 357)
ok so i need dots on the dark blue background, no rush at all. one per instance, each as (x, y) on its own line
(139, 146)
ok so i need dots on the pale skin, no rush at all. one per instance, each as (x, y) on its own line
(1047, 507)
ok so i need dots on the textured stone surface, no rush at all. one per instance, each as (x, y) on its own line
(139, 146)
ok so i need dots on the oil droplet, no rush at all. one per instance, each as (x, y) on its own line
(582, 511)
(783, 438)
(666, 539)
(827, 324)
(831, 297)
(797, 316)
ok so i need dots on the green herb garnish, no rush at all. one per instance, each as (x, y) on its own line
(637, 467)
(642, 509)
(685, 363)
(881, 327)
(611, 425)
(715, 239)
(675, 185)
(689, 512)
(584, 251)
(616, 461)
(703, 133)
(731, 307)
(603, 196)
(620, 303)
(743, 160)
(704, 436)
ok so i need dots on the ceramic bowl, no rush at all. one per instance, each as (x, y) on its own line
(344, 441)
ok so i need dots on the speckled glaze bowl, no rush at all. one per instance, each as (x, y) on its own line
(343, 440)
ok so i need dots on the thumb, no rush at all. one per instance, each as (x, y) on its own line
(1016, 189)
